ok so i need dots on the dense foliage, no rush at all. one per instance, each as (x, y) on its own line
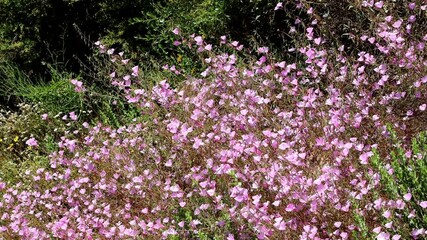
(62, 32)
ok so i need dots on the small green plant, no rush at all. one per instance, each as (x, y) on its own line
(360, 222)
(215, 227)
(56, 96)
(405, 177)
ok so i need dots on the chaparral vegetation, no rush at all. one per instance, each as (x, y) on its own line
(214, 120)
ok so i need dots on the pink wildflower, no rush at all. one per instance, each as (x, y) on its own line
(176, 31)
(379, 4)
(423, 204)
(32, 142)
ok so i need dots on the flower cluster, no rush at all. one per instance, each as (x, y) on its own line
(261, 150)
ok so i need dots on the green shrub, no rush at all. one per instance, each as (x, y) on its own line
(56, 96)
(405, 173)
(15, 129)
(61, 32)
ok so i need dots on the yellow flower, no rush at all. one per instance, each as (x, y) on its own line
(10, 147)
(16, 138)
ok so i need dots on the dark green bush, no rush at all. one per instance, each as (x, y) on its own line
(62, 32)
(257, 23)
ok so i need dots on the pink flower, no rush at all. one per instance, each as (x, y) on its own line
(423, 204)
(199, 40)
(197, 143)
(417, 232)
(263, 50)
(211, 192)
(32, 142)
(397, 24)
(73, 116)
(135, 71)
(175, 31)
(208, 47)
(423, 107)
(379, 4)
(396, 237)
(290, 207)
(239, 194)
(173, 126)
(110, 51)
(78, 85)
(168, 163)
(407, 196)
(174, 188)
(377, 230)
(383, 236)
(365, 157)
(387, 214)
(278, 6)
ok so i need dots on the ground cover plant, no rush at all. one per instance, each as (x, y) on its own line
(328, 144)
